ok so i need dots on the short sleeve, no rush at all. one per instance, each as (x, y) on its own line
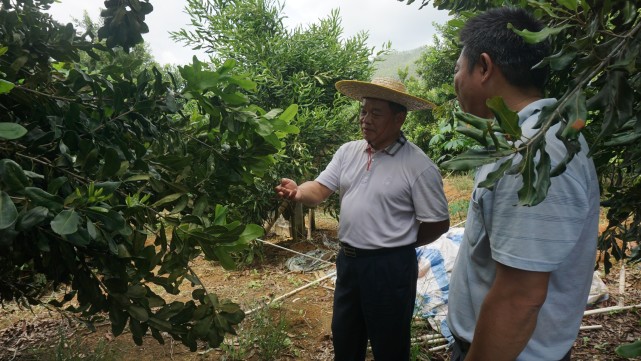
(330, 177)
(428, 196)
(537, 238)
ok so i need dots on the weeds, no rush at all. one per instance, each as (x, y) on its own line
(263, 334)
(73, 349)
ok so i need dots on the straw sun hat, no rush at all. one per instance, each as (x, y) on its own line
(382, 88)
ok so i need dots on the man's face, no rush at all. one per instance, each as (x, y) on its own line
(469, 90)
(379, 125)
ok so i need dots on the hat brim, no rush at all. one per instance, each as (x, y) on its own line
(359, 89)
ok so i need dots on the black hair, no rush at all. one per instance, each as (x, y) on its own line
(397, 108)
(489, 33)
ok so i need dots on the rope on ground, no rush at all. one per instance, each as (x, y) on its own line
(296, 252)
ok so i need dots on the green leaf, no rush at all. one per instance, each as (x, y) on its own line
(137, 331)
(479, 135)
(529, 194)
(139, 313)
(138, 177)
(542, 184)
(167, 199)
(570, 4)
(136, 291)
(5, 86)
(225, 259)
(575, 113)
(495, 175)
(108, 187)
(159, 324)
(251, 232)
(32, 218)
(66, 222)
(12, 175)
(507, 119)
(474, 158)
(8, 211)
(202, 327)
(537, 36)
(289, 113)
(11, 131)
(42, 198)
(118, 318)
(630, 350)
(112, 163)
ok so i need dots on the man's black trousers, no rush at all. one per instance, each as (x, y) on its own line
(374, 298)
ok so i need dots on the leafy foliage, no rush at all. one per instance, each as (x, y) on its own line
(434, 131)
(297, 66)
(124, 22)
(108, 186)
(595, 76)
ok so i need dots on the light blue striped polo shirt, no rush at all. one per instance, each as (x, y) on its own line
(558, 235)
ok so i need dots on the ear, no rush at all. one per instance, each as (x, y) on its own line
(486, 66)
(400, 117)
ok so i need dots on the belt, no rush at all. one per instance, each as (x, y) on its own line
(353, 252)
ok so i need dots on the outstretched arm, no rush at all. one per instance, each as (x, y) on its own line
(309, 193)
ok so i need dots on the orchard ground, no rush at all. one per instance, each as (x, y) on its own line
(296, 327)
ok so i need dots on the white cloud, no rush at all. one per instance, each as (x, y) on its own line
(385, 20)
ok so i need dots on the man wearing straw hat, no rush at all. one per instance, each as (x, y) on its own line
(392, 201)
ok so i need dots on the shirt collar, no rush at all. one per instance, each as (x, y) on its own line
(534, 108)
(393, 148)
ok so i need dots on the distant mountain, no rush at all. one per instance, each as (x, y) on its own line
(389, 64)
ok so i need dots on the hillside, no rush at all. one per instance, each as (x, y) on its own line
(389, 64)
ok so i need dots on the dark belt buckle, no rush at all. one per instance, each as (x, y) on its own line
(349, 250)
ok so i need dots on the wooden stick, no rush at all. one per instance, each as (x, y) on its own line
(427, 337)
(609, 309)
(621, 284)
(332, 274)
(439, 348)
(590, 327)
(309, 228)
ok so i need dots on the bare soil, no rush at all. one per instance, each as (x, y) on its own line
(35, 334)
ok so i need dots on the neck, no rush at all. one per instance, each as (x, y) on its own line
(517, 99)
(378, 146)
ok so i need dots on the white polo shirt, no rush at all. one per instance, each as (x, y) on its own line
(382, 207)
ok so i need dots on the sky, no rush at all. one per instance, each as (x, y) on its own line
(404, 25)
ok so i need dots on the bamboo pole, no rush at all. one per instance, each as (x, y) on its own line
(439, 348)
(590, 327)
(332, 274)
(621, 284)
(609, 309)
(311, 221)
